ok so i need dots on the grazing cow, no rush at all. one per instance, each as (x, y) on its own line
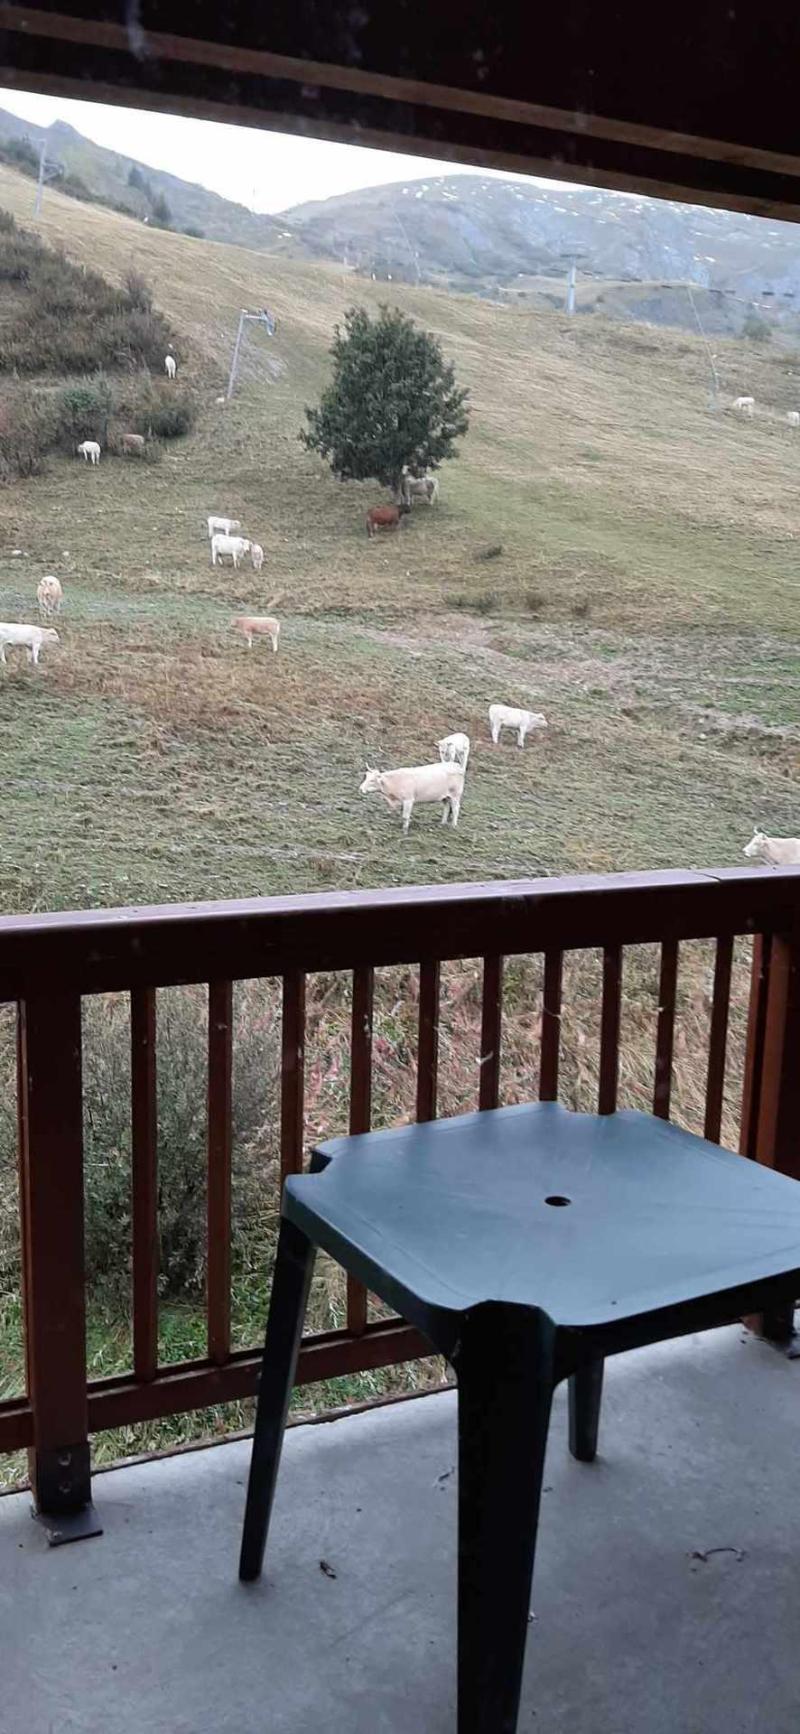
(793, 417)
(49, 596)
(132, 442)
(419, 488)
(170, 366)
(257, 626)
(385, 517)
(89, 450)
(235, 546)
(745, 406)
(31, 637)
(223, 526)
(505, 716)
(403, 787)
(773, 851)
(454, 749)
(257, 556)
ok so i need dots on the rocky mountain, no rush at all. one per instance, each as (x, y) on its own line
(518, 238)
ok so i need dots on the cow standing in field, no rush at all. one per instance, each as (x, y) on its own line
(773, 851)
(170, 366)
(506, 716)
(49, 596)
(385, 517)
(412, 783)
(29, 638)
(257, 626)
(234, 546)
(419, 488)
(222, 526)
(89, 450)
(132, 444)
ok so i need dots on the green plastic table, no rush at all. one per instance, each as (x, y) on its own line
(527, 1243)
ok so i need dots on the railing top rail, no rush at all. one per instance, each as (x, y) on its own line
(100, 950)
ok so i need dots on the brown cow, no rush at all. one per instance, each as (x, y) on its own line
(132, 442)
(385, 518)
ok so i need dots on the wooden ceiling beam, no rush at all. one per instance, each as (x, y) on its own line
(369, 98)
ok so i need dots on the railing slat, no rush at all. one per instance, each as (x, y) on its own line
(293, 1039)
(144, 1182)
(551, 1025)
(428, 1049)
(754, 1044)
(609, 1029)
(718, 1038)
(491, 1032)
(665, 1032)
(220, 1105)
(54, 1279)
(360, 1108)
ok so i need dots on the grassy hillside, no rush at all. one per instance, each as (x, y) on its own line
(644, 539)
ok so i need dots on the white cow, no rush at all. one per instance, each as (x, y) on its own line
(745, 406)
(773, 851)
(89, 450)
(402, 788)
(505, 716)
(49, 596)
(793, 417)
(454, 750)
(31, 637)
(257, 626)
(257, 556)
(223, 526)
(170, 366)
(419, 488)
(235, 546)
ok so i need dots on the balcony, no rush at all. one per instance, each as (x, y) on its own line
(652, 1562)
(640, 1624)
(740, 1064)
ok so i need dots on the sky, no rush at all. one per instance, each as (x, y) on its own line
(269, 171)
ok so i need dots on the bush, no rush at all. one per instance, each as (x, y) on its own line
(28, 428)
(70, 319)
(138, 291)
(196, 234)
(182, 1136)
(756, 329)
(166, 411)
(21, 154)
(83, 412)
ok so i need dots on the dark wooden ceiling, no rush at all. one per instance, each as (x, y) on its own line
(686, 101)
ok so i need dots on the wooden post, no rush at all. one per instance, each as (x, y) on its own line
(220, 1140)
(144, 1182)
(51, 1161)
(771, 1133)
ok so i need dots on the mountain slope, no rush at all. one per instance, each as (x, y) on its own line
(593, 456)
(107, 178)
(487, 235)
(505, 239)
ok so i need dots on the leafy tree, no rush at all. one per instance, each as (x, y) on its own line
(162, 214)
(393, 400)
(137, 179)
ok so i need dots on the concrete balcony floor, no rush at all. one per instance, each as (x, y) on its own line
(147, 1628)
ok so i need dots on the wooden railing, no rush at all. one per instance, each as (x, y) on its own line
(49, 963)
